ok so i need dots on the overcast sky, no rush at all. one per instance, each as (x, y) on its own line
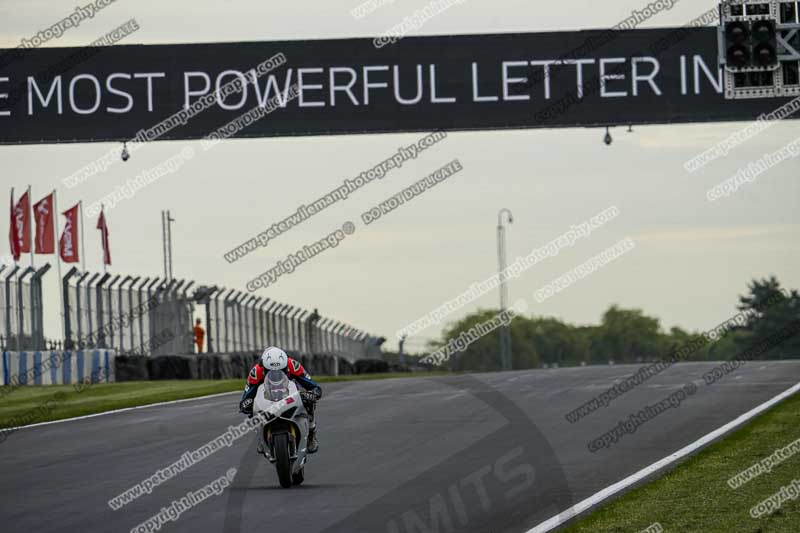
(691, 259)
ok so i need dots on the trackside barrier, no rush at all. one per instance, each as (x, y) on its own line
(57, 368)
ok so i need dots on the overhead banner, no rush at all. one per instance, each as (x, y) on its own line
(350, 86)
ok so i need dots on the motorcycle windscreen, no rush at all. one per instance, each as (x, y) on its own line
(277, 385)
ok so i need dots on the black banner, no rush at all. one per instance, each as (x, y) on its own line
(345, 86)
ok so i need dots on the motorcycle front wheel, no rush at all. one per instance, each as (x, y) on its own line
(282, 462)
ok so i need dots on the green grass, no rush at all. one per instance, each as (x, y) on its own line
(695, 496)
(31, 404)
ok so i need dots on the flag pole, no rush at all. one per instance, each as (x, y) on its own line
(14, 253)
(83, 244)
(13, 244)
(57, 244)
(102, 236)
(30, 222)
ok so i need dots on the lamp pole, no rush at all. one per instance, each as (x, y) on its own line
(166, 240)
(505, 333)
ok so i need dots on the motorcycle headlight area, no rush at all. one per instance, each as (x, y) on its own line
(277, 385)
(289, 413)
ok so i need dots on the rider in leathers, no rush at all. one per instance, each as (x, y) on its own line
(276, 359)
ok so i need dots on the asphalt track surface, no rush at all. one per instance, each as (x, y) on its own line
(481, 453)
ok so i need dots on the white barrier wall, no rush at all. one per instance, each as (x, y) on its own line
(57, 368)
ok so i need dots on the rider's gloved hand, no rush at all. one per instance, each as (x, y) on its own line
(311, 395)
(246, 406)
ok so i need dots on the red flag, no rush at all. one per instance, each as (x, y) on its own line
(103, 227)
(68, 245)
(21, 220)
(45, 242)
(13, 237)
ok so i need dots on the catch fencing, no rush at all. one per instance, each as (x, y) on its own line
(135, 315)
(21, 319)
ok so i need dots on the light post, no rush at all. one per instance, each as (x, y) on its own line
(166, 239)
(505, 333)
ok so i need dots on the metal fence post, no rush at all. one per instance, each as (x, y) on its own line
(152, 298)
(255, 304)
(362, 339)
(110, 310)
(165, 297)
(226, 306)
(324, 326)
(240, 320)
(249, 322)
(296, 326)
(185, 310)
(277, 325)
(329, 348)
(64, 288)
(122, 313)
(175, 314)
(22, 342)
(342, 338)
(91, 299)
(321, 334)
(3, 334)
(37, 309)
(294, 320)
(287, 313)
(262, 320)
(245, 315)
(313, 336)
(80, 296)
(334, 328)
(101, 336)
(234, 322)
(301, 331)
(133, 310)
(212, 345)
(272, 326)
(7, 303)
(205, 299)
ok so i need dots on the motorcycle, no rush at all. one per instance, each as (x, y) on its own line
(283, 437)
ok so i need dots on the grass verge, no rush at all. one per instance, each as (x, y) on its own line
(695, 497)
(31, 404)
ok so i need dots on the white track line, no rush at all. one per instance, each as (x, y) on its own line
(591, 501)
(118, 411)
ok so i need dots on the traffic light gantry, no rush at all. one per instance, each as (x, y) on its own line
(759, 47)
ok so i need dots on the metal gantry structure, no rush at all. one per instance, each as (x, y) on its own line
(138, 315)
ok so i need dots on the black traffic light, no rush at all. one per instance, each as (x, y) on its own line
(737, 37)
(751, 44)
(765, 43)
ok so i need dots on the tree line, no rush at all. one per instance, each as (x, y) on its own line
(766, 312)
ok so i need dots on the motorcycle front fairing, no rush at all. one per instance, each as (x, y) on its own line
(279, 403)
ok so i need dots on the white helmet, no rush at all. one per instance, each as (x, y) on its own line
(274, 359)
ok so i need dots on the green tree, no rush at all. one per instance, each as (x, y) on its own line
(628, 335)
(557, 342)
(774, 313)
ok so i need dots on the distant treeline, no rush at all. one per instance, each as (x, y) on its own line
(766, 325)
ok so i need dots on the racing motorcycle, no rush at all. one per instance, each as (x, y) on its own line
(283, 437)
